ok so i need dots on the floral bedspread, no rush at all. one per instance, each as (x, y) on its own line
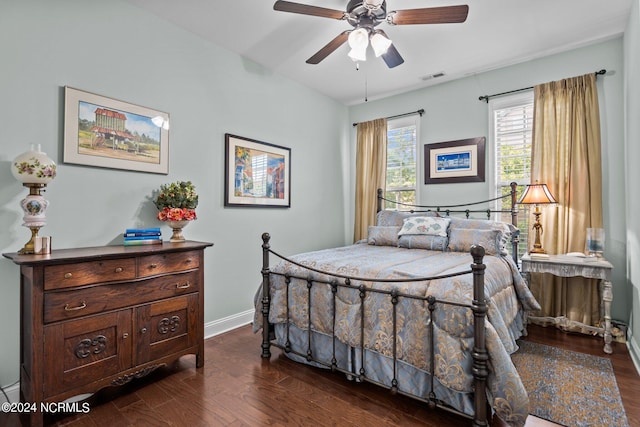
(506, 292)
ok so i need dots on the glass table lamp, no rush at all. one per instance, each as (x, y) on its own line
(35, 170)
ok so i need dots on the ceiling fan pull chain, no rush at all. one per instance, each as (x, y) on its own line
(366, 88)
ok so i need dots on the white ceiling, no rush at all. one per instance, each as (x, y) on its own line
(496, 33)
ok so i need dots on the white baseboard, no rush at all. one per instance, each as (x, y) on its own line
(634, 349)
(13, 392)
(226, 324)
(211, 329)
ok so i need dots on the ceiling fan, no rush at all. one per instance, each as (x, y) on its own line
(364, 16)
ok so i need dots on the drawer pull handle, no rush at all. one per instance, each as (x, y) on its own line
(125, 336)
(153, 265)
(119, 270)
(82, 305)
(68, 275)
(188, 261)
(185, 286)
(143, 330)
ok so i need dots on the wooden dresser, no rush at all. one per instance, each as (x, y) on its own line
(102, 316)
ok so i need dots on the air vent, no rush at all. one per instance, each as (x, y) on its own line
(433, 76)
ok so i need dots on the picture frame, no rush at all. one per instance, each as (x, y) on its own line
(455, 161)
(105, 132)
(257, 174)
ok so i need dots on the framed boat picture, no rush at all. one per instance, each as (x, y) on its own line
(455, 161)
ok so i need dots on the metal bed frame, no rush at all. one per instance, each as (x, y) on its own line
(478, 306)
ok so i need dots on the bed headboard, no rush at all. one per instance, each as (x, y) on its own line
(468, 209)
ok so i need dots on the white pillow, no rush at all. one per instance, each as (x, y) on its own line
(428, 225)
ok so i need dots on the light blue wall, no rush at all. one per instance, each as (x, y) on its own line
(453, 111)
(632, 156)
(118, 50)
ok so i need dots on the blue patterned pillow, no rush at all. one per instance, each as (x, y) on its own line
(423, 241)
(505, 230)
(461, 240)
(383, 236)
(432, 226)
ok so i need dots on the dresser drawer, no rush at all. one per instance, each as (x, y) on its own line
(86, 273)
(167, 263)
(61, 305)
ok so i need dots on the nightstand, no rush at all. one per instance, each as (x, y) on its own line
(572, 266)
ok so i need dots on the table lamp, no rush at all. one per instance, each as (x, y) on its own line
(537, 194)
(35, 170)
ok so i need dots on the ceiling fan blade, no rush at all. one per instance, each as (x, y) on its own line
(329, 48)
(430, 15)
(304, 9)
(392, 57)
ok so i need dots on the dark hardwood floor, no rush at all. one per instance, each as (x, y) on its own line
(236, 387)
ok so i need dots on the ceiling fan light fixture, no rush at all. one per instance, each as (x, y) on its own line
(359, 39)
(379, 43)
(358, 54)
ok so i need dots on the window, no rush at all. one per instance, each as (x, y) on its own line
(259, 168)
(512, 125)
(402, 137)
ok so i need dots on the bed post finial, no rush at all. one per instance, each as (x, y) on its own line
(480, 356)
(266, 344)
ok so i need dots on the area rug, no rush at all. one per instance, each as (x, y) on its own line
(569, 388)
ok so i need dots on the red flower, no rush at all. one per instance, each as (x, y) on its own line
(177, 214)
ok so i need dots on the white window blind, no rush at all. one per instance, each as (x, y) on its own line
(512, 120)
(401, 175)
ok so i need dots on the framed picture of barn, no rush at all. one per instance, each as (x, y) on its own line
(105, 132)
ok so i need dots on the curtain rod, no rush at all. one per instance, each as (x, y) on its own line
(486, 97)
(420, 111)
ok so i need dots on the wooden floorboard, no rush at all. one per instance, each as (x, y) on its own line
(236, 387)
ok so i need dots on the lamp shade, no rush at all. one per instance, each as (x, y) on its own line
(358, 54)
(358, 39)
(379, 43)
(33, 167)
(536, 194)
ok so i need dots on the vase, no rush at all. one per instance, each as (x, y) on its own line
(595, 241)
(177, 227)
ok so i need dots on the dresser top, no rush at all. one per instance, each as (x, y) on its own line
(59, 256)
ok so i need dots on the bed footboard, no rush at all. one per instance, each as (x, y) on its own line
(478, 307)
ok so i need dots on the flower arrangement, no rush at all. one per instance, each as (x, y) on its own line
(177, 201)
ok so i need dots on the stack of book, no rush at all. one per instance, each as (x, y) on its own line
(142, 236)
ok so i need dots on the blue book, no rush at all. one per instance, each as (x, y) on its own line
(142, 233)
(143, 230)
(154, 237)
